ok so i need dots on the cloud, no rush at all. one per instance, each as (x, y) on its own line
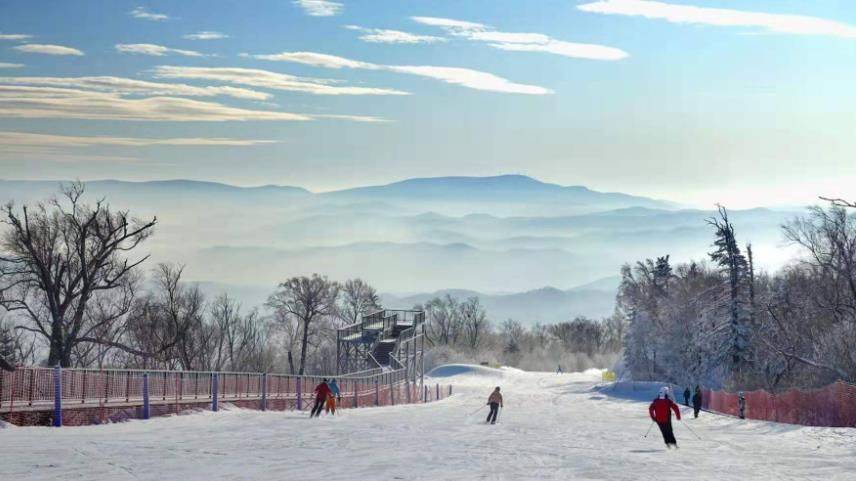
(155, 50)
(319, 8)
(128, 86)
(522, 42)
(379, 35)
(50, 102)
(15, 36)
(722, 17)
(205, 35)
(64, 103)
(449, 23)
(47, 49)
(27, 139)
(271, 80)
(10, 65)
(318, 60)
(465, 77)
(142, 13)
(472, 79)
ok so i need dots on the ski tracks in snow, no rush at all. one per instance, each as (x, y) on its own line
(553, 427)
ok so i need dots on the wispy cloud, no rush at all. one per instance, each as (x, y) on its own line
(142, 13)
(205, 35)
(154, 50)
(10, 65)
(465, 77)
(319, 8)
(30, 139)
(15, 36)
(319, 60)
(270, 80)
(379, 35)
(522, 42)
(469, 78)
(126, 86)
(47, 49)
(722, 17)
(50, 102)
(18, 101)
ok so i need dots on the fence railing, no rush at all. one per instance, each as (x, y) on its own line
(56, 390)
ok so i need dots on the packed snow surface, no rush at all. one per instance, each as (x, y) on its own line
(554, 427)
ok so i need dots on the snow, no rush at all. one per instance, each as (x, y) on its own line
(554, 427)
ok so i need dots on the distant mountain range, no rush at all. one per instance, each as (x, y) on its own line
(545, 305)
(510, 234)
(505, 195)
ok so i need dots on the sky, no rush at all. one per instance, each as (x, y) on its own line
(698, 101)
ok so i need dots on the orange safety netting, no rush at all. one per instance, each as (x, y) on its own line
(833, 405)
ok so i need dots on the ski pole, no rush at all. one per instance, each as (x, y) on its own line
(691, 429)
(477, 410)
(649, 429)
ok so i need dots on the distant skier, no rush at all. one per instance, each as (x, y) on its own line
(661, 413)
(741, 404)
(333, 397)
(696, 401)
(322, 391)
(495, 402)
(559, 369)
(687, 394)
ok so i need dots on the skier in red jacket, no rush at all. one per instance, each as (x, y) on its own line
(660, 412)
(322, 390)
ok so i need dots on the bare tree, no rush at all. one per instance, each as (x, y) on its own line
(308, 299)
(474, 321)
(166, 324)
(512, 333)
(358, 299)
(239, 342)
(444, 320)
(57, 257)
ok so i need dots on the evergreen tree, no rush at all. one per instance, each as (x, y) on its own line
(8, 345)
(733, 264)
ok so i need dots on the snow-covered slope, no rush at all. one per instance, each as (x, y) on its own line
(553, 427)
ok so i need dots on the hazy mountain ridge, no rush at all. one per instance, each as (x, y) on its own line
(507, 233)
(544, 305)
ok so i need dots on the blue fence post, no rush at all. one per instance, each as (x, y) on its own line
(356, 397)
(299, 396)
(215, 388)
(425, 394)
(146, 408)
(450, 389)
(57, 375)
(376, 392)
(438, 391)
(264, 392)
(391, 393)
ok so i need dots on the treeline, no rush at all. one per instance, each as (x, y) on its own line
(722, 322)
(73, 292)
(460, 331)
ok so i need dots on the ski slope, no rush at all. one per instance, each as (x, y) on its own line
(553, 427)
